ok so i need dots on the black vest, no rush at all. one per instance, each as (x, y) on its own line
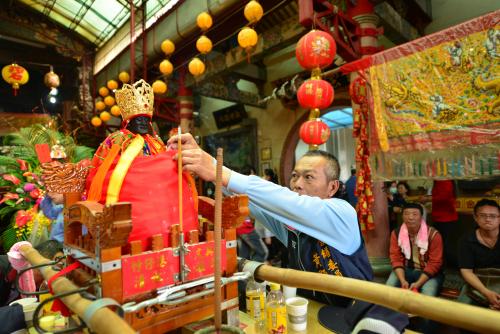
(309, 254)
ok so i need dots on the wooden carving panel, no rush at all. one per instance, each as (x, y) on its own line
(234, 209)
(113, 223)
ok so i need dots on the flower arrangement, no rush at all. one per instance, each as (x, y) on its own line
(21, 188)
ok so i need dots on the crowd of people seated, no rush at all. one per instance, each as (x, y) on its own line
(417, 258)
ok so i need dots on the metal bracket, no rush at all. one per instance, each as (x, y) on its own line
(83, 258)
(111, 265)
(173, 295)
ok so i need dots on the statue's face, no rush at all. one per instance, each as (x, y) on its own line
(140, 125)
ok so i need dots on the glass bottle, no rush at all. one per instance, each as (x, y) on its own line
(255, 297)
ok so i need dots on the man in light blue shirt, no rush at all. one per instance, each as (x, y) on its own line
(321, 232)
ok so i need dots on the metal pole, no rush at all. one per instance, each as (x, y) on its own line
(144, 43)
(132, 41)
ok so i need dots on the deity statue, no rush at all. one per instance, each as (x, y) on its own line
(132, 165)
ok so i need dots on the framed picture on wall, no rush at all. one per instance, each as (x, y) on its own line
(239, 145)
(265, 153)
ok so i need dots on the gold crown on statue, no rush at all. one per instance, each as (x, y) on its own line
(135, 100)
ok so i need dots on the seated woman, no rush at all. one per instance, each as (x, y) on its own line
(481, 249)
(416, 253)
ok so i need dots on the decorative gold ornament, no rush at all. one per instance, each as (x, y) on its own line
(168, 47)
(159, 87)
(204, 21)
(109, 100)
(115, 111)
(96, 121)
(253, 11)
(204, 44)
(112, 84)
(99, 105)
(124, 77)
(136, 99)
(196, 67)
(105, 116)
(103, 91)
(166, 67)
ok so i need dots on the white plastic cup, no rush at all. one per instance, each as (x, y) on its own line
(296, 308)
(289, 292)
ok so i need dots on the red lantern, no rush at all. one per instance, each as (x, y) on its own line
(316, 49)
(314, 132)
(315, 93)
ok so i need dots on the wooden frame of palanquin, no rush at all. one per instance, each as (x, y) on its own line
(113, 224)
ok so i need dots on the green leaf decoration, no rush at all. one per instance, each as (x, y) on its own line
(9, 238)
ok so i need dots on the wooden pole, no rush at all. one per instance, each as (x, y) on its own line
(179, 169)
(104, 321)
(217, 241)
(182, 250)
(452, 313)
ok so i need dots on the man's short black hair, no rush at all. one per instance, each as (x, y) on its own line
(414, 206)
(49, 248)
(404, 184)
(247, 170)
(486, 202)
(333, 167)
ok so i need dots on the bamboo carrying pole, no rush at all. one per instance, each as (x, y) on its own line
(104, 321)
(456, 314)
(217, 241)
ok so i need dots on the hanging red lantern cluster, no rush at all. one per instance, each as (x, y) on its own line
(314, 132)
(314, 51)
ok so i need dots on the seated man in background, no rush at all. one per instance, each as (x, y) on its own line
(478, 250)
(416, 253)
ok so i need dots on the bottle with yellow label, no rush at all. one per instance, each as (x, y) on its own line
(276, 311)
(255, 297)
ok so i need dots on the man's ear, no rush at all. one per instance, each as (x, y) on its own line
(333, 187)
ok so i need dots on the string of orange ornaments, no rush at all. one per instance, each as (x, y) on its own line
(247, 37)
(106, 99)
(166, 68)
(314, 51)
(204, 45)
